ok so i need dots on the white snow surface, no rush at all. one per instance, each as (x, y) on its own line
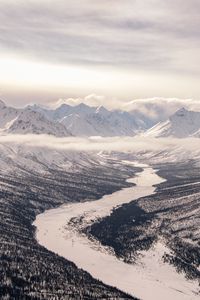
(150, 278)
(7, 115)
(29, 121)
(182, 124)
(84, 120)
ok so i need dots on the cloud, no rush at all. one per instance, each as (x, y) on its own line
(131, 33)
(91, 100)
(36, 151)
(160, 108)
(134, 48)
(95, 144)
(155, 109)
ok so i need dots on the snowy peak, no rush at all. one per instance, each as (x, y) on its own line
(7, 115)
(183, 123)
(181, 112)
(33, 122)
(82, 107)
(61, 111)
(101, 110)
(84, 120)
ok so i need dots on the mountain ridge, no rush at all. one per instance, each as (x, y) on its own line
(83, 120)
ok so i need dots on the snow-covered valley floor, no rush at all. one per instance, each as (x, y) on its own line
(150, 278)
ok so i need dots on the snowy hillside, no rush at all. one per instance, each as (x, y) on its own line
(7, 115)
(183, 123)
(83, 120)
(29, 121)
(23, 121)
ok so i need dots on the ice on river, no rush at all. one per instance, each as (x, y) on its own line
(149, 279)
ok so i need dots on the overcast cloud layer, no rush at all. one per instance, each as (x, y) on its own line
(120, 48)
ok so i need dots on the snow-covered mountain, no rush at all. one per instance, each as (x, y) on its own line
(182, 124)
(7, 115)
(83, 120)
(102, 123)
(29, 121)
(23, 121)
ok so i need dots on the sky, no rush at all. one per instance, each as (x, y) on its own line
(118, 50)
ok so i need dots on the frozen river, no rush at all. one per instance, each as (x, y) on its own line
(149, 279)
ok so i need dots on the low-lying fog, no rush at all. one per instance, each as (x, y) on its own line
(121, 144)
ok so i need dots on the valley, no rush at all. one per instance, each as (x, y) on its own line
(129, 203)
(130, 241)
(28, 270)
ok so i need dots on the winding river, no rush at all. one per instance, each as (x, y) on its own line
(148, 279)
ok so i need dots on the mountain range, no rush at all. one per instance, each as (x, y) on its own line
(83, 120)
